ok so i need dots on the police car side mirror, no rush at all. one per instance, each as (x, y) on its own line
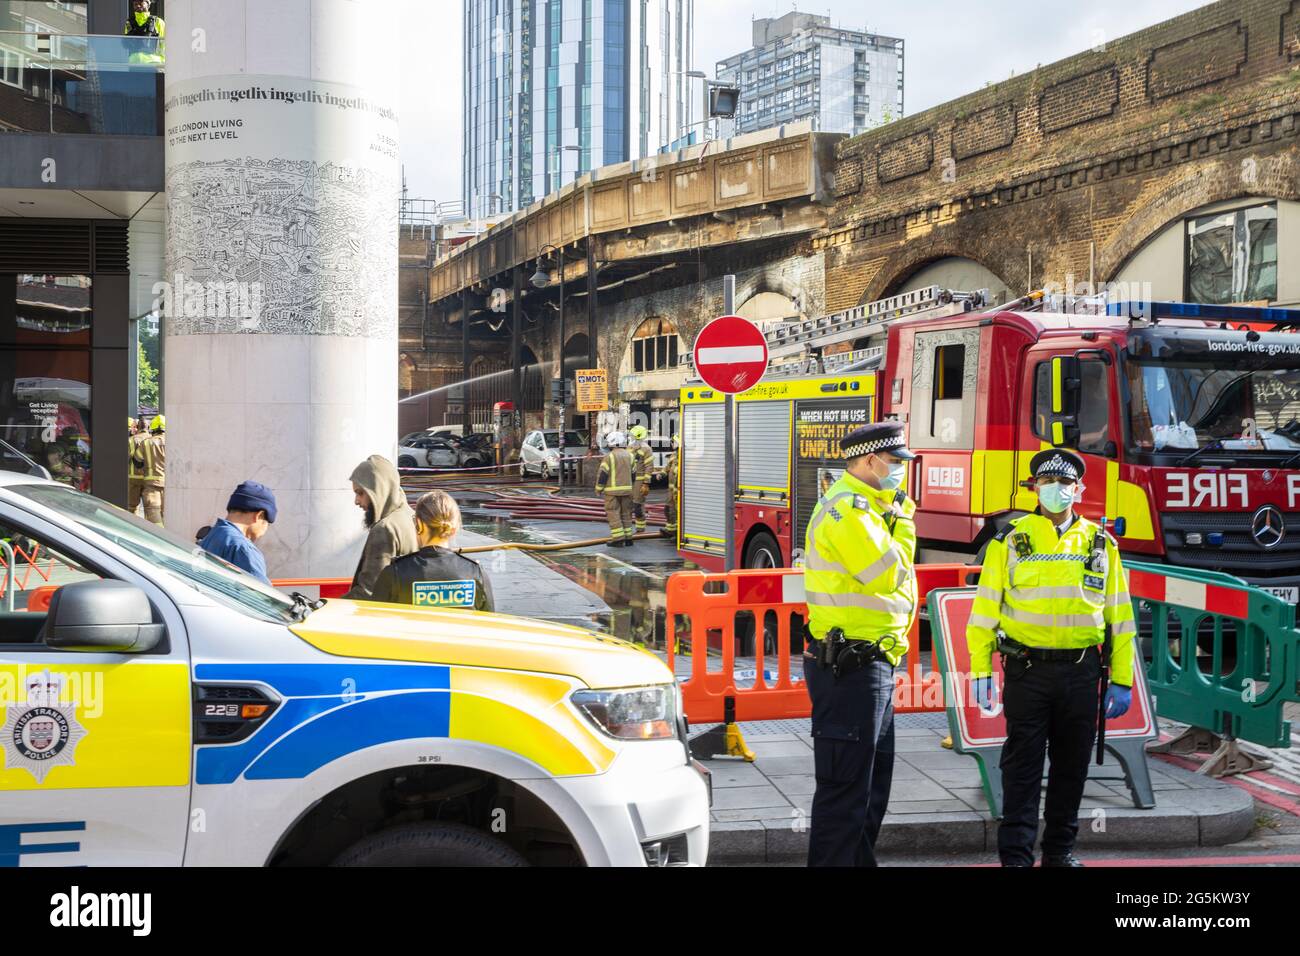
(101, 616)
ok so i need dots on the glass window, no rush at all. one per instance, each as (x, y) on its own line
(45, 409)
(1232, 256)
(160, 549)
(654, 346)
(1094, 412)
(51, 310)
(949, 361)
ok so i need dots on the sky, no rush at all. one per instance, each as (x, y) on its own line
(953, 47)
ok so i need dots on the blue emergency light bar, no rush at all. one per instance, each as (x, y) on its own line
(1154, 311)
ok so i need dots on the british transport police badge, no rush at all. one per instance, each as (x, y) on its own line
(42, 732)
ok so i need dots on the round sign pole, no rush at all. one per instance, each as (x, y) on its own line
(730, 356)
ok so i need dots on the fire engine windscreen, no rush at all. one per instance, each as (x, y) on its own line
(1241, 402)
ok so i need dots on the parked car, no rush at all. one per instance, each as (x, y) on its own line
(472, 454)
(540, 452)
(427, 452)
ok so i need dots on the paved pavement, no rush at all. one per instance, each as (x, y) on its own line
(760, 809)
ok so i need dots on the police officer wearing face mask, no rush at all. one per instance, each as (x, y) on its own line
(861, 593)
(1051, 586)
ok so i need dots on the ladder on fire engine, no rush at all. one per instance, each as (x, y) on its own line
(791, 347)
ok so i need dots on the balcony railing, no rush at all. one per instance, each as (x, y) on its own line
(80, 84)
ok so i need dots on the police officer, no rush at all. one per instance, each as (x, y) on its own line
(614, 481)
(1051, 587)
(643, 464)
(861, 594)
(670, 506)
(153, 478)
(435, 576)
(142, 23)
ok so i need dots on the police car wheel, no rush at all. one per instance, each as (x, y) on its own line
(419, 844)
(406, 461)
(763, 552)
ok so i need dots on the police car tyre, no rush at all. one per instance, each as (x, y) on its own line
(421, 844)
(762, 552)
(405, 461)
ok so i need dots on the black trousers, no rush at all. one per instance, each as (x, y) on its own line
(853, 751)
(1051, 709)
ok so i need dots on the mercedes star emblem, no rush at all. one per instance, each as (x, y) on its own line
(1267, 527)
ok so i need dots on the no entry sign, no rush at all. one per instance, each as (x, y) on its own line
(730, 354)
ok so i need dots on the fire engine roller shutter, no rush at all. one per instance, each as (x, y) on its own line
(764, 448)
(704, 501)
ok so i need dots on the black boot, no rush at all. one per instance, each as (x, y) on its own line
(1061, 859)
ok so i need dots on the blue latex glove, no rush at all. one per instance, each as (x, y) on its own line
(1118, 700)
(986, 693)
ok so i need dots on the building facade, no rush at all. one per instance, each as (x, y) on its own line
(802, 68)
(556, 88)
(81, 173)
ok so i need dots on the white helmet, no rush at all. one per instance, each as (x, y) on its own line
(616, 440)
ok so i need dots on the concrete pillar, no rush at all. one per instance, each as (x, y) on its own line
(282, 195)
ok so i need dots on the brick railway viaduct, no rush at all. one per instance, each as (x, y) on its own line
(1086, 170)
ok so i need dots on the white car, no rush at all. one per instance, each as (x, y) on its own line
(162, 708)
(428, 452)
(540, 452)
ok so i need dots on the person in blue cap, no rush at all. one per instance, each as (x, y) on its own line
(250, 512)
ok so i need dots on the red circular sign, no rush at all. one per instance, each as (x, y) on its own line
(730, 354)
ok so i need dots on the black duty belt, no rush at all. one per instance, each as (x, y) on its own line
(1068, 655)
(848, 654)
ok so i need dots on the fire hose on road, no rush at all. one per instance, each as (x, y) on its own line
(561, 546)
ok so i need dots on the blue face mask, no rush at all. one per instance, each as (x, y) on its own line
(892, 480)
(1056, 497)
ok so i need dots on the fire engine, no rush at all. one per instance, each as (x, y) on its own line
(1188, 417)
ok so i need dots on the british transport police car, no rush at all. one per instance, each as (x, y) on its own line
(159, 708)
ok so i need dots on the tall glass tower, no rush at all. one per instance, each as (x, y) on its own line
(555, 88)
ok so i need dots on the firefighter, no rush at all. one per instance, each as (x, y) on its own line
(670, 506)
(643, 464)
(861, 594)
(135, 464)
(153, 478)
(614, 481)
(1051, 589)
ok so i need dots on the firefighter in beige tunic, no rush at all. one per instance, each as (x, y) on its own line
(615, 482)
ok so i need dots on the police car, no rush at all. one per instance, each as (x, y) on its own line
(159, 708)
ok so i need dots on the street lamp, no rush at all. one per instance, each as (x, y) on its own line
(559, 156)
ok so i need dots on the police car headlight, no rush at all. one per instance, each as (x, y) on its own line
(632, 713)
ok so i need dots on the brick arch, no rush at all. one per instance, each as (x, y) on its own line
(1276, 178)
(912, 259)
(749, 286)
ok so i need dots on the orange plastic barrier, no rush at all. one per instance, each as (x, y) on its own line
(315, 587)
(769, 606)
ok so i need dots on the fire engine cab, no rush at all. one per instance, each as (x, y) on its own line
(1188, 417)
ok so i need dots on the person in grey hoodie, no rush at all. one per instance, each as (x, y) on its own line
(390, 521)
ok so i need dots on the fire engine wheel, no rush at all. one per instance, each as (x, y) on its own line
(762, 552)
(406, 461)
(420, 844)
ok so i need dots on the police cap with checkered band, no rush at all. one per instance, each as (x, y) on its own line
(1057, 463)
(875, 438)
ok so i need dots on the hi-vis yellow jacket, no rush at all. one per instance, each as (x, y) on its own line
(1036, 587)
(616, 474)
(859, 552)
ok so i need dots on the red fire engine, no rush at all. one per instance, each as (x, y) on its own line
(1188, 417)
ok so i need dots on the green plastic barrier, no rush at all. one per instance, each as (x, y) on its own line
(1225, 656)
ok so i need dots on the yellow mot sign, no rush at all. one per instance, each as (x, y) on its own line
(593, 390)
